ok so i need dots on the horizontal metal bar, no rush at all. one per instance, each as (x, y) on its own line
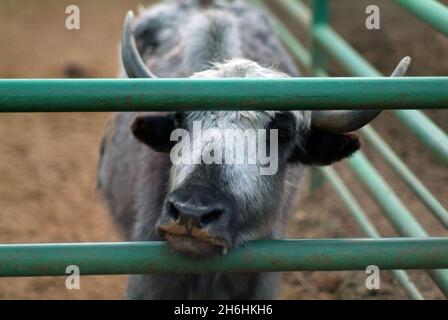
(397, 213)
(269, 255)
(406, 174)
(367, 226)
(221, 94)
(432, 12)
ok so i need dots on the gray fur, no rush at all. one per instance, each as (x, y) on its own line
(162, 38)
(182, 39)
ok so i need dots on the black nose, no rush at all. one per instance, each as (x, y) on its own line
(198, 210)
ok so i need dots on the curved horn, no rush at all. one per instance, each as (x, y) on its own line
(130, 57)
(343, 121)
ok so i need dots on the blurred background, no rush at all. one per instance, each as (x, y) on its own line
(48, 161)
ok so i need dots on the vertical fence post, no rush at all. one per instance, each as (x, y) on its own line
(320, 18)
(318, 66)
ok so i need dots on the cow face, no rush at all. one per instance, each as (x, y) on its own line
(214, 204)
(228, 170)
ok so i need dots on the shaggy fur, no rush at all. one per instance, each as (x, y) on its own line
(211, 39)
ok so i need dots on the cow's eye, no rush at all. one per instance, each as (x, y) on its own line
(178, 119)
(285, 124)
(285, 134)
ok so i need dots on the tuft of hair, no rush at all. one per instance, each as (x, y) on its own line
(243, 68)
(239, 68)
(212, 36)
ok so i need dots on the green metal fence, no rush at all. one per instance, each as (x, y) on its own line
(325, 43)
(222, 94)
(279, 255)
(416, 251)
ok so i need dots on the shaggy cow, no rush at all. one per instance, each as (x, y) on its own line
(207, 209)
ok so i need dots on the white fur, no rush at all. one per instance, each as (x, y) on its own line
(244, 179)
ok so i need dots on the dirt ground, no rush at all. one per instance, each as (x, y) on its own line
(48, 161)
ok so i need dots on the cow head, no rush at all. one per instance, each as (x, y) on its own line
(212, 204)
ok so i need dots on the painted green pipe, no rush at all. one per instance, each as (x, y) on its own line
(305, 60)
(299, 8)
(320, 16)
(419, 124)
(65, 95)
(406, 174)
(432, 12)
(403, 220)
(366, 225)
(426, 131)
(269, 255)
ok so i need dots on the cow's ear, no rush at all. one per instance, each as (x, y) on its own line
(154, 131)
(322, 148)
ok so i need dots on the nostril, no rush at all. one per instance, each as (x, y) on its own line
(211, 217)
(173, 211)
